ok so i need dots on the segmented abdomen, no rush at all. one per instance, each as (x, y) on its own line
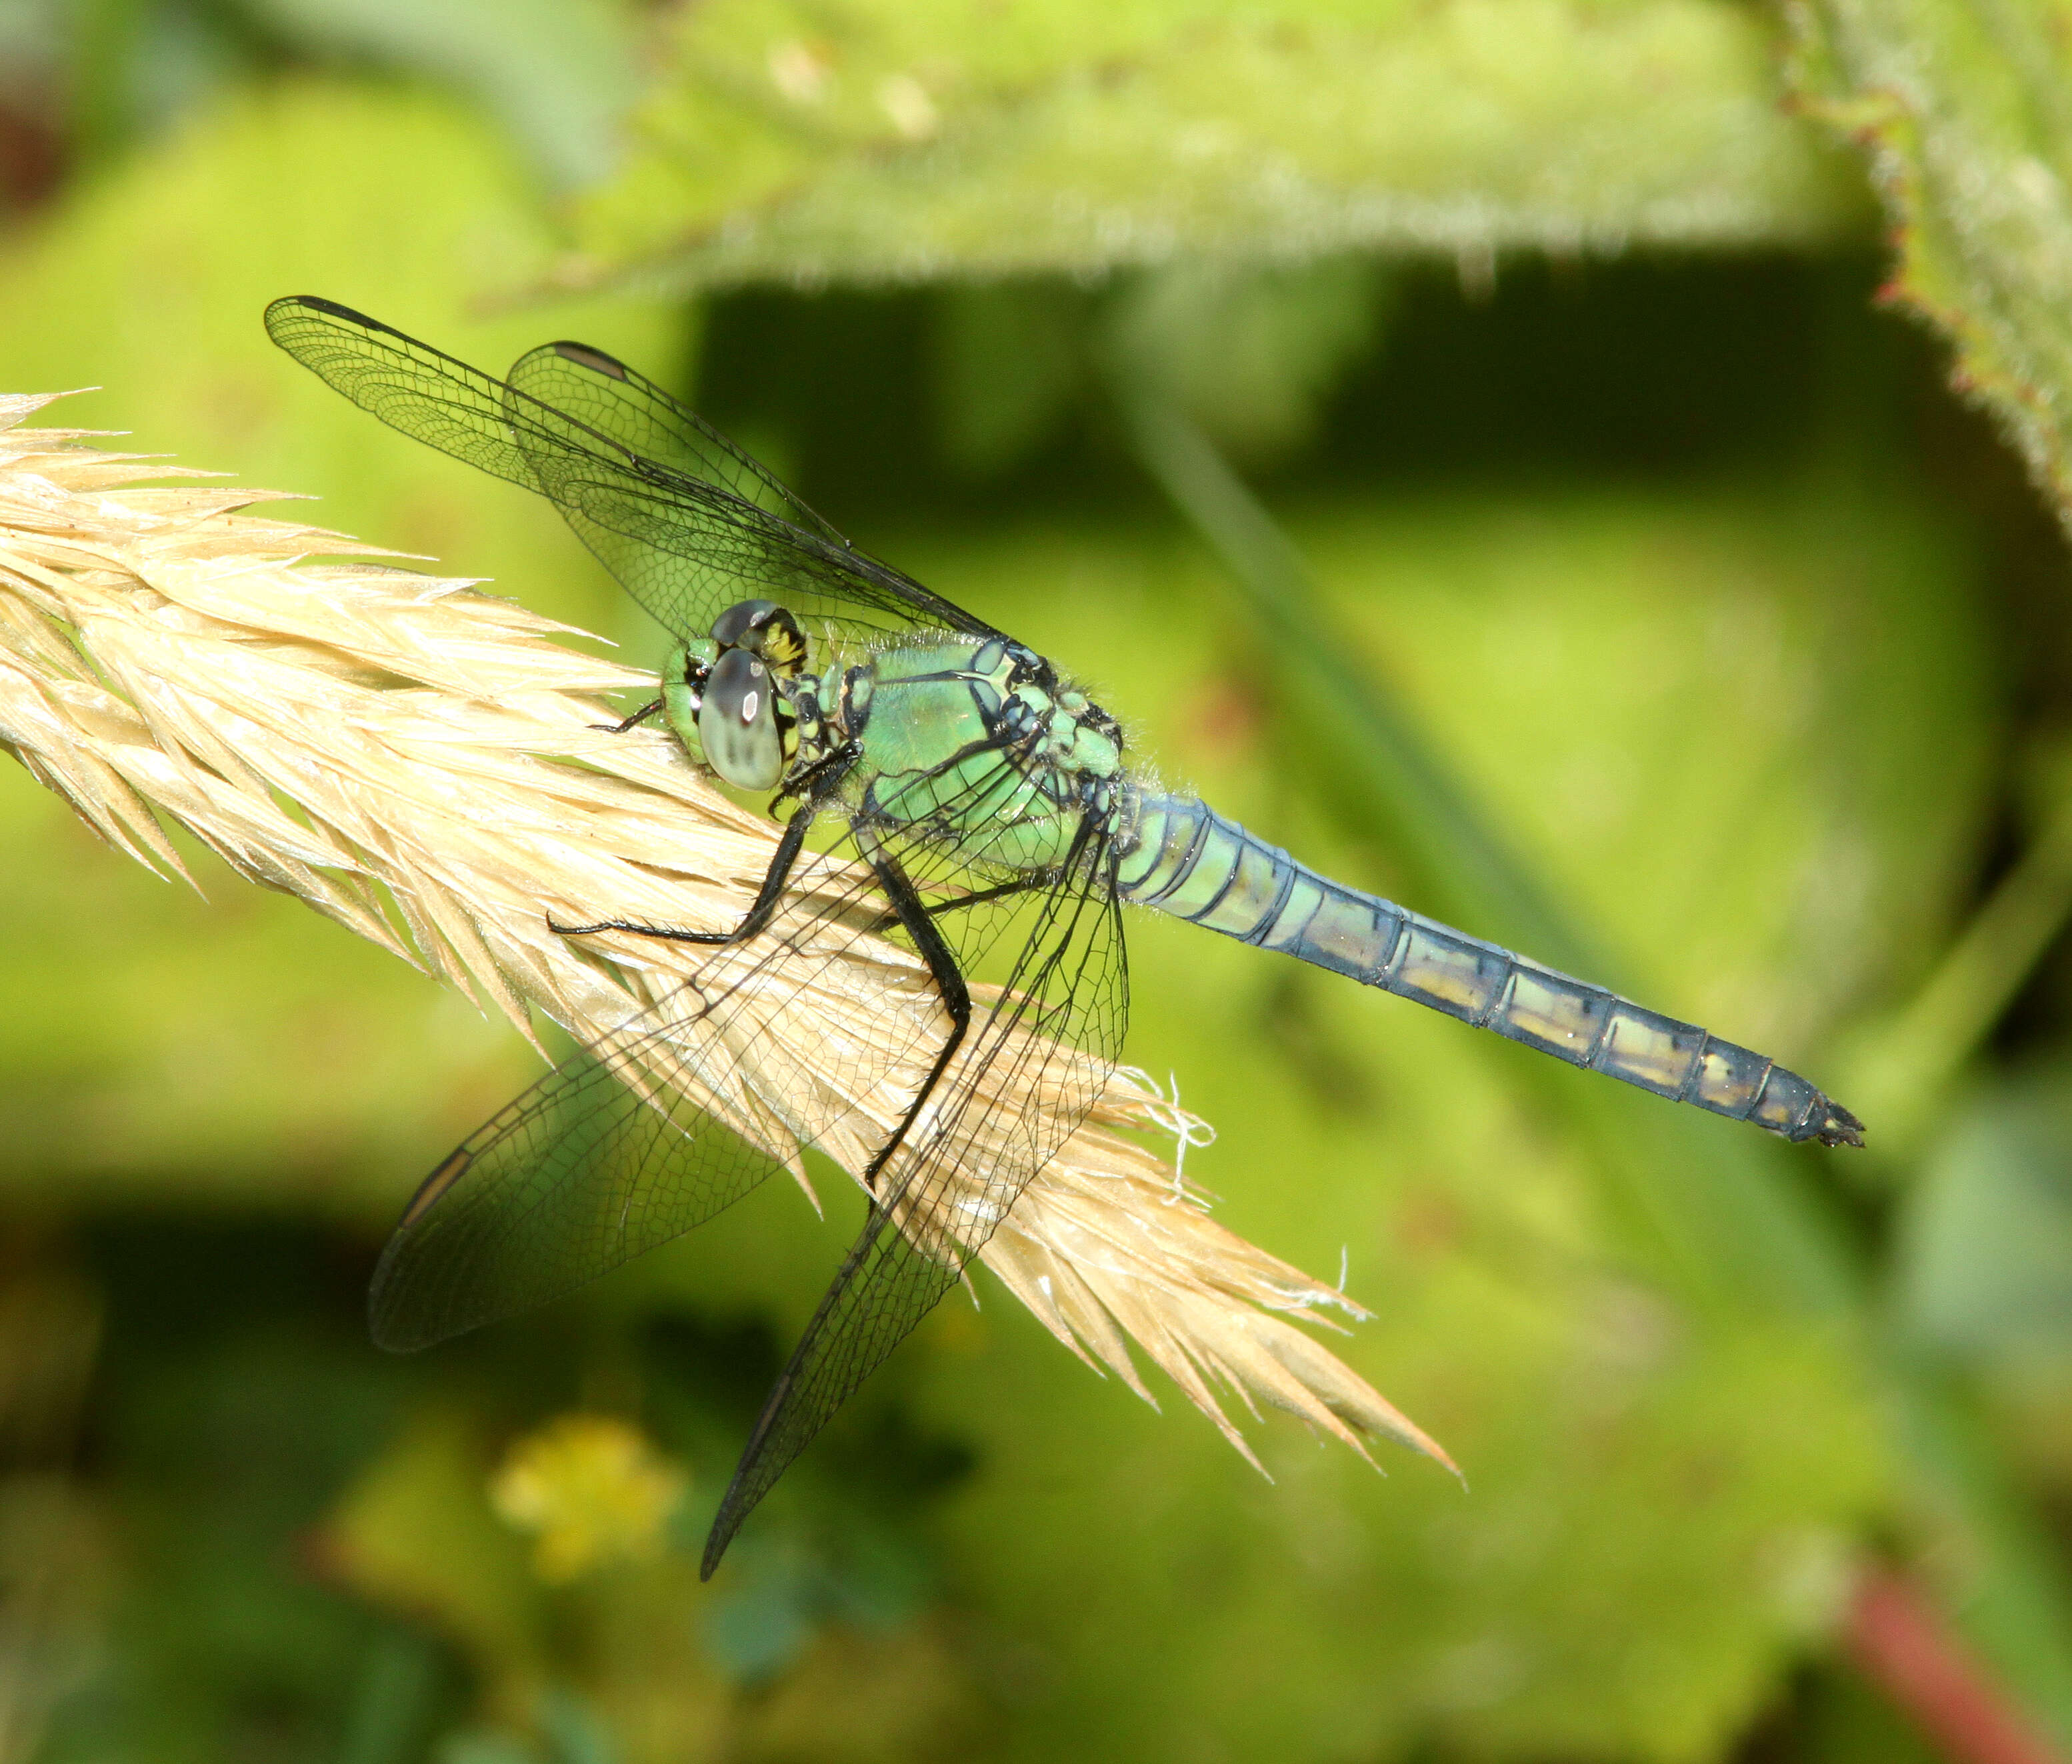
(1192, 862)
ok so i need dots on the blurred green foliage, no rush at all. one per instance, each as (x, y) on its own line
(887, 140)
(1968, 113)
(1611, 579)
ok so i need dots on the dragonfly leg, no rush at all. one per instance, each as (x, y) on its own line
(774, 881)
(909, 910)
(793, 787)
(742, 1490)
(638, 717)
(1021, 886)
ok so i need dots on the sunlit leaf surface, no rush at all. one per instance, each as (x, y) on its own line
(1965, 112)
(876, 140)
(1721, 614)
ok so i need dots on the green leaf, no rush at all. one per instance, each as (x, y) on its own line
(879, 140)
(1966, 113)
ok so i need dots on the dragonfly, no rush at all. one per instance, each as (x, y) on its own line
(973, 805)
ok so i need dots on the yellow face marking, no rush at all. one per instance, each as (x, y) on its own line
(783, 648)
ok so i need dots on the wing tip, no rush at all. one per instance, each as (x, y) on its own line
(747, 1486)
(715, 1548)
(390, 1341)
(390, 1333)
(726, 1523)
(586, 355)
(385, 1328)
(331, 309)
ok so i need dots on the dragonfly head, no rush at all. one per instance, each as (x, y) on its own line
(723, 694)
(684, 676)
(738, 723)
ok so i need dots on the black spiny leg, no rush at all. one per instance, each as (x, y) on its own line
(1021, 885)
(828, 774)
(837, 763)
(638, 717)
(911, 911)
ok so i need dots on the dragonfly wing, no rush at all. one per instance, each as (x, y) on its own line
(603, 393)
(656, 1128)
(613, 400)
(1038, 1054)
(687, 534)
(585, 1170)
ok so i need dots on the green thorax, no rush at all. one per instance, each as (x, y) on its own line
(980, 741)
(976, 740)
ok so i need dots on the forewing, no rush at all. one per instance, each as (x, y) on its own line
(687, 534)
(662, 1124)
(1039, 1050)
(602, 392)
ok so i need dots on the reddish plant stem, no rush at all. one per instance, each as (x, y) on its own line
(1900, 1642)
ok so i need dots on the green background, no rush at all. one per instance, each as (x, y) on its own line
(1471, 444)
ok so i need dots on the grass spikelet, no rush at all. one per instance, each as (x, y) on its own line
(421, 762)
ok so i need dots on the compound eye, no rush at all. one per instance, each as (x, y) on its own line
(733, 625)
(766, 629)
(738, 722)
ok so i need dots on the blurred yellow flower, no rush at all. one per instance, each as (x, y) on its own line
(592, 1490)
